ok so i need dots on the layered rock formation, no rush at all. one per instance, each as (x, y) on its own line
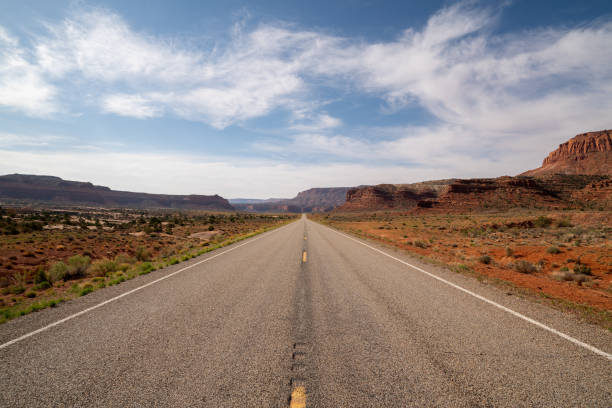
(552, 191)
(312, 200)
(54, 190)
(577, 174)
(387, 196)
(587, 153)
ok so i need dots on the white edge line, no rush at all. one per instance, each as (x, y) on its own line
(89, 309)
(484, 299)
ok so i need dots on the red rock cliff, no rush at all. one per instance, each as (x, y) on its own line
(587, 153)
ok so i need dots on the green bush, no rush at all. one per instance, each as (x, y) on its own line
(77, 266)
(42, 286)
(40, 276)
(523, 266)
(103, 267)
(553, 250)
(17, 290)
(57, 272)
(86, 289)
(145, 268)
(30, 295)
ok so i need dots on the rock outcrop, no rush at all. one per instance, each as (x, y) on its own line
(312, 200)
(587, 153)
(54, 190)
(388, 196)
(576, 175)
(549, 191)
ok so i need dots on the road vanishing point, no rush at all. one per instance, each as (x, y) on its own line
(303, 316)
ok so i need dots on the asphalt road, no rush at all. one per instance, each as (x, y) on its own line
(340, 326)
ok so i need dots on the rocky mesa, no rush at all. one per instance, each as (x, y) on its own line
(576, 175)
(54, 190)
(587, 153)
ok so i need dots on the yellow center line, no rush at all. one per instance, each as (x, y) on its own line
(304, 257)
(298, 397)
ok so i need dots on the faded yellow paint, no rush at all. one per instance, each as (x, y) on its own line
(298, 397)
(304, 257)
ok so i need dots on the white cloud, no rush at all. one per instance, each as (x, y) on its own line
(319, 122)
(101, 46)
(135, 106)
(22, 85)
(11, 140)
(500, 102)
(256, 73)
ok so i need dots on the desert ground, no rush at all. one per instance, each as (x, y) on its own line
(562, 257)
(49, 255)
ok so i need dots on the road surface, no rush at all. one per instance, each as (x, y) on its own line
(303, 311)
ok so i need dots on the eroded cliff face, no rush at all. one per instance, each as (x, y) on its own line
(389, 196)
(587, 153)
(549, 191)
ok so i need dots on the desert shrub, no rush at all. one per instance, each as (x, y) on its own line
(103, 267)
(57, 272)
(462, 268)
(145, 268)
(40, 276)
(420, 244)
(582, 269)
(553, 250)
(563, 275)
(142, 254)
(543, 222)
(509, 251)
(30, 295)
(523, 266)
(42, 286)
(86, 289)
(564, 223)
(212, 228)
(580, 278)
(77, 266)
(125, 259)
(17, 290)
(485, 259)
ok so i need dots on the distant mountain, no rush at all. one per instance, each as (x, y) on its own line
(254, 200)
(587, 153)
(54, 190)
(312, 200)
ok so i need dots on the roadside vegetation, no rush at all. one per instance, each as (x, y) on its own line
(48, 256)
(564, 257)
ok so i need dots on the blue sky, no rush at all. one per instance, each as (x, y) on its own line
(261, 99)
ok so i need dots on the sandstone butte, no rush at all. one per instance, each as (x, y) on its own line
(577, 174)
(587, 153)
